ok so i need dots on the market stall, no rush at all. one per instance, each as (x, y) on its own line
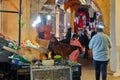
(28, 56)
(31, 56)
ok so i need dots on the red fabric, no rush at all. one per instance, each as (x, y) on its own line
(81, 23)
(47, 35)
(81, 13)
(87, 18)
(75, 28)
(76, 42)
(74, 56)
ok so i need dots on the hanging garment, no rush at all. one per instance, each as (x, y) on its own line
(80, 22)
(81, 14)
(76, 25)
(87, 18)
(91, 12)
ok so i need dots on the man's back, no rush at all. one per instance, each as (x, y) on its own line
(100, 45)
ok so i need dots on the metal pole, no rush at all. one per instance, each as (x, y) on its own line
(9, 11)
(20, 23)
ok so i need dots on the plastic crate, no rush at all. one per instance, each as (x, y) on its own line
(51, 73)
(76, 70)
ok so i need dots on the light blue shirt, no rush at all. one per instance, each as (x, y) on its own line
(100, 45)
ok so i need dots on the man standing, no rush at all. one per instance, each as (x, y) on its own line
(100, 46)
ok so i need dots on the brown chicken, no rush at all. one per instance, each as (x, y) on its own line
(63, 49)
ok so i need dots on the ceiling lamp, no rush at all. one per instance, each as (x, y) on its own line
(48, 17)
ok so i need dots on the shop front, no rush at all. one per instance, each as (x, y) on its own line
(27, 38)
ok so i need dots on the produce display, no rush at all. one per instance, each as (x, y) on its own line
(19, 60)
(57, 57)
(30, 43)
(73, 63)
(30, 51)
(13, 46)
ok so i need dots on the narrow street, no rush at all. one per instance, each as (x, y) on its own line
(88, 70)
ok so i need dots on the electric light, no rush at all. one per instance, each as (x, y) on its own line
(48, 17)
(38, 20)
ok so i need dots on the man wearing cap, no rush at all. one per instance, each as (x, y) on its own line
(100, 46)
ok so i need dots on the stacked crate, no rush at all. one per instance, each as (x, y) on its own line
(51, 73)
(76, 72)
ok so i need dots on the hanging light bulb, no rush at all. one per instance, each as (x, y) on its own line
(48, 17)
(38, 20)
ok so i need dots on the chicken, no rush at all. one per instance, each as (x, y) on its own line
(63, 49)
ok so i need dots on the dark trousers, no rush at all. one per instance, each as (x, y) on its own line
(86, 55)
(100, 66)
